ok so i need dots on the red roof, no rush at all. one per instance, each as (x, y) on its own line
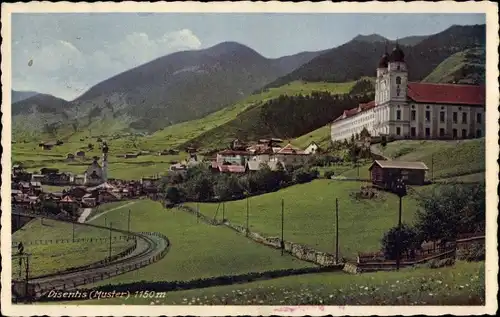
(233, 152)
(447, 93)
(290, 149)
(367, 106)
(231, 168)
(228, 168)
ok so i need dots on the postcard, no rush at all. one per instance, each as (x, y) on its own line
(249, 158)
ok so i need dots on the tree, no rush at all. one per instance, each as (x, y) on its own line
(173, 194)
(383, 142)
(409, 240)
(364, 134)
(228, 187)
(450, 210)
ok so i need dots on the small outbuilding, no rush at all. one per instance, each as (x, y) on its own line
(385, 173)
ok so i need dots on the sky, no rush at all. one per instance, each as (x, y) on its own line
(71, 52)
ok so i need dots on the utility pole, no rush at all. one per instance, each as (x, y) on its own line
(432, 167)
(400, 191)
(128, 223)
(282, 226)
(110, 226)
(26, 288)
(73, 234)
(398, 252)
(223, 210)
(197, 212)
(105, 221)
(336, 230)
(247, 218)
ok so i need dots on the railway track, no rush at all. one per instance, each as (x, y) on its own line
(150, 248)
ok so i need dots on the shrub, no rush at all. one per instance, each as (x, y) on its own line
(409, 240)
(473, 253)
(329, 174)
(435, 264)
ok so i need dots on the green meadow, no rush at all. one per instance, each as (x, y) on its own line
(197, 250)
(309, 215)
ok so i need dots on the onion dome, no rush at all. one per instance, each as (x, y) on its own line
(397, 55)
(384, 61)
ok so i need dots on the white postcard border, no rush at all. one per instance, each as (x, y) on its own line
(492, 150)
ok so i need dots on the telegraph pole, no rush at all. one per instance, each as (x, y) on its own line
(197, 212)
(282, 225)
(336, 230)
(400, 191)
(247, 217)
(398, 253)
(110, 226)
(223, 210)
(105, 221)
(26, 284)
(432, 167)
(73, 234)
(128, 224)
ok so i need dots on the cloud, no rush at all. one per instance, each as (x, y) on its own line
(61, 68)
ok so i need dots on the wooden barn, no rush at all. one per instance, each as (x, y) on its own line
(385, 173)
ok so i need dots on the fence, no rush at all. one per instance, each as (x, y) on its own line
(370, 262)
(105, 261)
(111, 270)
(79, 240)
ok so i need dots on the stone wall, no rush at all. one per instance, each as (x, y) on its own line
(300, 251)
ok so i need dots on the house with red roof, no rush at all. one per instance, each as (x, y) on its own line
(290, 155)
(414, 110)
(234, 157)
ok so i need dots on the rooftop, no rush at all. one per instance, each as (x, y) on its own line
(400, 165)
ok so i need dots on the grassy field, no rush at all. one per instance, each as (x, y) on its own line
(178, 134)
(461, 284)
(197, 249)
(447, 158)
(54, 257)
(320, 136)
(33, 158)
(468, 63)
(310, 215)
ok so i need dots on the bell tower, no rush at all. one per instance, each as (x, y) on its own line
(398, 75)
(381, 87)
(105, 150)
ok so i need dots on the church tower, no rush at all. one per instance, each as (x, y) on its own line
(381, 91)
(398, 76)
(105, 150)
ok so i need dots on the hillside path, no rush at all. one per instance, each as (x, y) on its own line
(103, 213)
(86, 212)
(374, 149)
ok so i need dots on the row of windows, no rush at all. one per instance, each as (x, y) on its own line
(442, 116)
(442, 132)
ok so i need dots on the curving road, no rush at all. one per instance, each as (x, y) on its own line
(150, 248)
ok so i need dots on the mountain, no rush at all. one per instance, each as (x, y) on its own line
(40, 113)
(466, 67)
(373, 38)
(185, 85)
(17, 95)
(360, 58)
